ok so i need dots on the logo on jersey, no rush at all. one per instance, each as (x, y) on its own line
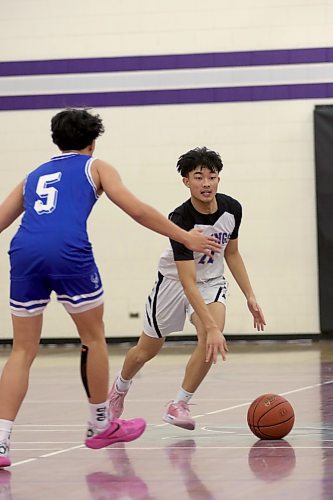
(223, 239)
(95, 279)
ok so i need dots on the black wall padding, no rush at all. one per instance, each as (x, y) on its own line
(323, 125)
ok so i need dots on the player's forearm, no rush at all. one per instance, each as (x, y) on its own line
(108, 179)
(238, 270)
(152, 219)
(11, 208)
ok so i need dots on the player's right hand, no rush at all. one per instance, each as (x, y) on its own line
(258, 316)
(199, 242)
(216, 344)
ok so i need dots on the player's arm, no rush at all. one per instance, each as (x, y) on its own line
(12, 207)
(215, 342)
(238, 270)
(108, 179)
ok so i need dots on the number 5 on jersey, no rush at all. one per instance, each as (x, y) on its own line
(48, 194)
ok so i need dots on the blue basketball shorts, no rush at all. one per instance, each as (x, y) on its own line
(30, 296)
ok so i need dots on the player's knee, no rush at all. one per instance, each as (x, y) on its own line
(141, 356)
(27, 352)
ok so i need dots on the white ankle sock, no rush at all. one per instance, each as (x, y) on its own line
(122, 384)
(99, 415)
(5, 429)
(183, 395)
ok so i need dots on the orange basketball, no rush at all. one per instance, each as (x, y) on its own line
(270, 416)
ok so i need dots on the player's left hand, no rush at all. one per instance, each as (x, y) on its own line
(258, 317)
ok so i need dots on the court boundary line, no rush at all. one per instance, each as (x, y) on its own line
(47, 455)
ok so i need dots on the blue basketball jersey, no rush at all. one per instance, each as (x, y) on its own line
(52, 240)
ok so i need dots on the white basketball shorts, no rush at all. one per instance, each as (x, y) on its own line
(167, 305)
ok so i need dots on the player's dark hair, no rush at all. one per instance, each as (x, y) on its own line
(199, 157)
(75, 129)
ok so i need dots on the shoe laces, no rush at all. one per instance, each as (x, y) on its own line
(117, 398)
(182, 407)
(117, 395)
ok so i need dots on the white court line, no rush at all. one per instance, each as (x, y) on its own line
(54, 430)
(227, 448)
(24, 462)
(48, 455)
(61, 451)
(47, 430)
(34, 449)
(49, 425)
(47, 442)
(249, 402)
(282, 394)
(55, 401)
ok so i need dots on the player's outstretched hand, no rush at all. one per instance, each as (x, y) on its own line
(199, 242)
(215, 345)
(258, 317)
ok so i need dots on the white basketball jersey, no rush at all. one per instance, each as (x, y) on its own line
(223, 224)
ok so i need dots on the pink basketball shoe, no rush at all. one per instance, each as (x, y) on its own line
(116, 401)
(179, 414)
(118, 431)
(4, 454)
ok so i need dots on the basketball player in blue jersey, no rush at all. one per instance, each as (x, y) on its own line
(51, 252)
(192, 283)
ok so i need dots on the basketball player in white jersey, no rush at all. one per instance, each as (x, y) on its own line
(51, 252)
(191, 283)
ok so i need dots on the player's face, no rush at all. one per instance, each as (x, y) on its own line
(203, 184)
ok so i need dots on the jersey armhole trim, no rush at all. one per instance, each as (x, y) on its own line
(89, 176)
(25, 183)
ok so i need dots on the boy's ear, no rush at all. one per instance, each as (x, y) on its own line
(92, 146)
(186, 181)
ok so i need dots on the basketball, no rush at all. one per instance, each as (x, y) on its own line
(270, 416)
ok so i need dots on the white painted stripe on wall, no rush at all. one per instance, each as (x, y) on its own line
(167, 79)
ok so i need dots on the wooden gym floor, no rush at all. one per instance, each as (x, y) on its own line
(220, 459)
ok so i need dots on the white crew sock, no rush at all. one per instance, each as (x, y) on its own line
(5, 429)
(99, 415)
(183, 395)
(122, 384)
